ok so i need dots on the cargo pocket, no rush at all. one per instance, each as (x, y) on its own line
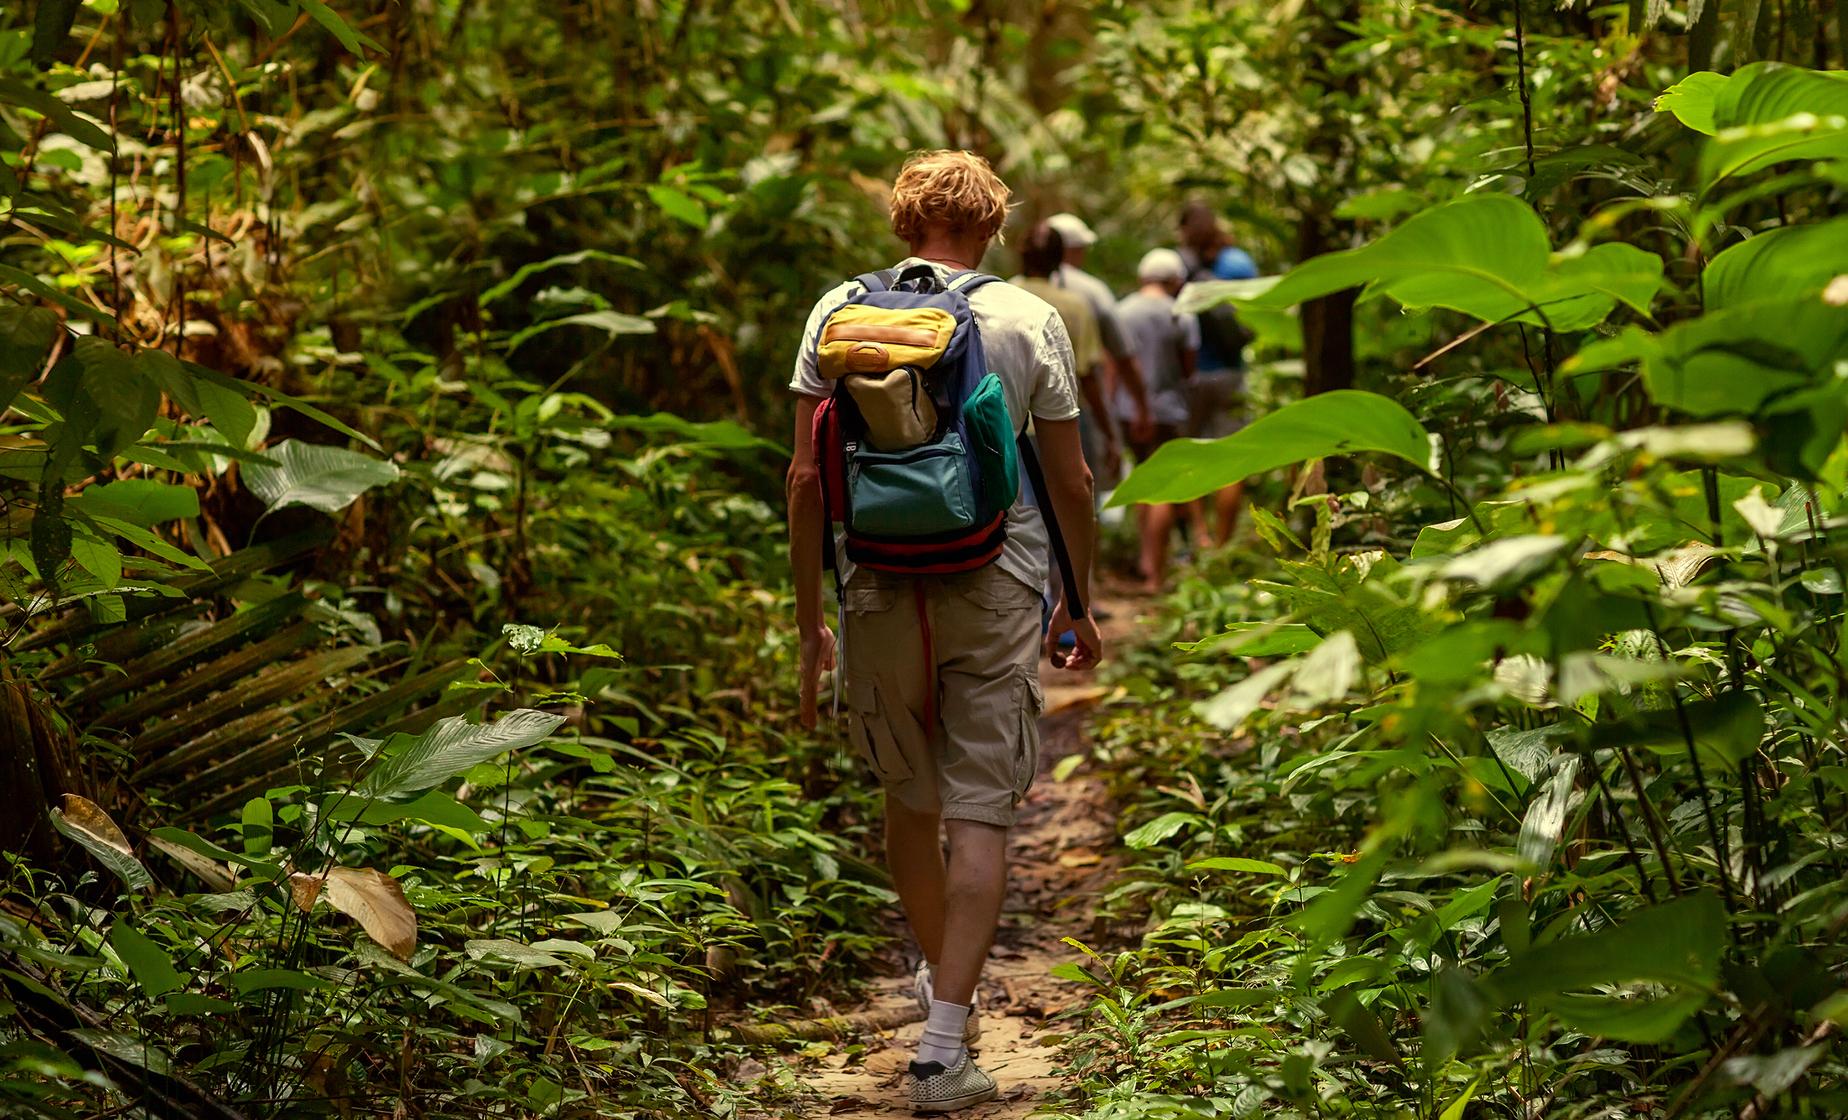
(993, 588)
(877, 731)
(1031, 701)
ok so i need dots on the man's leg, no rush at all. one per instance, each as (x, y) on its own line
(1157, 526)
(914, 852)
(1228, 500)
(977, 884)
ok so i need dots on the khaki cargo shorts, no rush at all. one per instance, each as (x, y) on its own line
(958, 735)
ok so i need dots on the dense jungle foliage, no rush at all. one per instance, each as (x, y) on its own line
(395, 658)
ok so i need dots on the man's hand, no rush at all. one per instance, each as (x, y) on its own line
(1090, 648)
(817, 658)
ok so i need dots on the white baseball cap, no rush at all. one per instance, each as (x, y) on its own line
(1161, 265)
(1072, 231)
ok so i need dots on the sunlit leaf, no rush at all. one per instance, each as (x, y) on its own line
(319, 476)
(1343, 422)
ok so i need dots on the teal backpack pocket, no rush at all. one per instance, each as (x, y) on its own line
(917, 492)
(991, 442)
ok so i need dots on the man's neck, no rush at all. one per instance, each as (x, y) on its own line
(952, 254)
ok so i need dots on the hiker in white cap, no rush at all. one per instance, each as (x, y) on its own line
(1121, 370)
(1165, 344)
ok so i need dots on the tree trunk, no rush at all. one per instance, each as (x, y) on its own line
(37, 766)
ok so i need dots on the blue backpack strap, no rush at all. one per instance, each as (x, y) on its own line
(966, 282)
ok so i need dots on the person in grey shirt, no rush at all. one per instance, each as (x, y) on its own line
(1122, 372)
(1165, 344)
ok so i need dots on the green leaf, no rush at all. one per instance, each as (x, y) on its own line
(1726, 730)
(51, 28)
(434, 807)
(1332, 912)
(611, 323)
(451, 747)
(99, 558)
(1545, 822)
(1787, 263)
(1691, 99)
(1635, 1018)
(679, 205)
(1159, 829)
(1341, 422)
(1769, 113)
(151, 967)
(26, 336)
(317, 475)
(1257, 639)
(524, 272)
(1235, 863)
(74, 306)
(81, 129)
(138, 501)
(1676, 943)
(350, 39)
(1527, 752)
(102, 395)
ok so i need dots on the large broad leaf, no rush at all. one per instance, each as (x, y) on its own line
(371, 898)
(26, 335)
(1726, 730)
(85, 822)
(1769, 113)
(316, 475)
(1335, 423)
(138, 501)
(103, 397)
(1675, 943)
(1485, 255)
(1786, 263)
(150, 965)
(1731, 361)
(1691, 99)
(1545, 822)
(452, 746)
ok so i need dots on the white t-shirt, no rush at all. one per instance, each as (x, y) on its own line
(1026, 344)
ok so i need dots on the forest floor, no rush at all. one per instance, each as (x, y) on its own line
(1062, 862)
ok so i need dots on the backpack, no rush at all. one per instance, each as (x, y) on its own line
(919, 457)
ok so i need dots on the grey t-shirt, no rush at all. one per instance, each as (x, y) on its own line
(1103, 301)
(1026, 344)
(1157, 336)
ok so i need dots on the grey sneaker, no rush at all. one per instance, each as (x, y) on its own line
(932, 1088)
(921, 987)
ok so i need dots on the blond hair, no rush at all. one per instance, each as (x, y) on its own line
(948, 188)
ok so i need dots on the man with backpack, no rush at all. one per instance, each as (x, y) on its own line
(1217, 393)
(915, 385)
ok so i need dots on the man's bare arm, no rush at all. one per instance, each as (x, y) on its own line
(805, 513)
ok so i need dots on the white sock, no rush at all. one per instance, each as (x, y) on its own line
(943, 1033)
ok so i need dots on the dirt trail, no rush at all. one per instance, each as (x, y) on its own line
(1061, 862)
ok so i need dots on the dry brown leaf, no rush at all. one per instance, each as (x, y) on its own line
(304, 889)
(88, 817)
(371, 898)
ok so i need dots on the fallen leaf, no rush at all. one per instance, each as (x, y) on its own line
(1080, 858)
(84, 821)
(371, 898)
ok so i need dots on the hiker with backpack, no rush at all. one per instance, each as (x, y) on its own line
(1216, 395)
(917, 384)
